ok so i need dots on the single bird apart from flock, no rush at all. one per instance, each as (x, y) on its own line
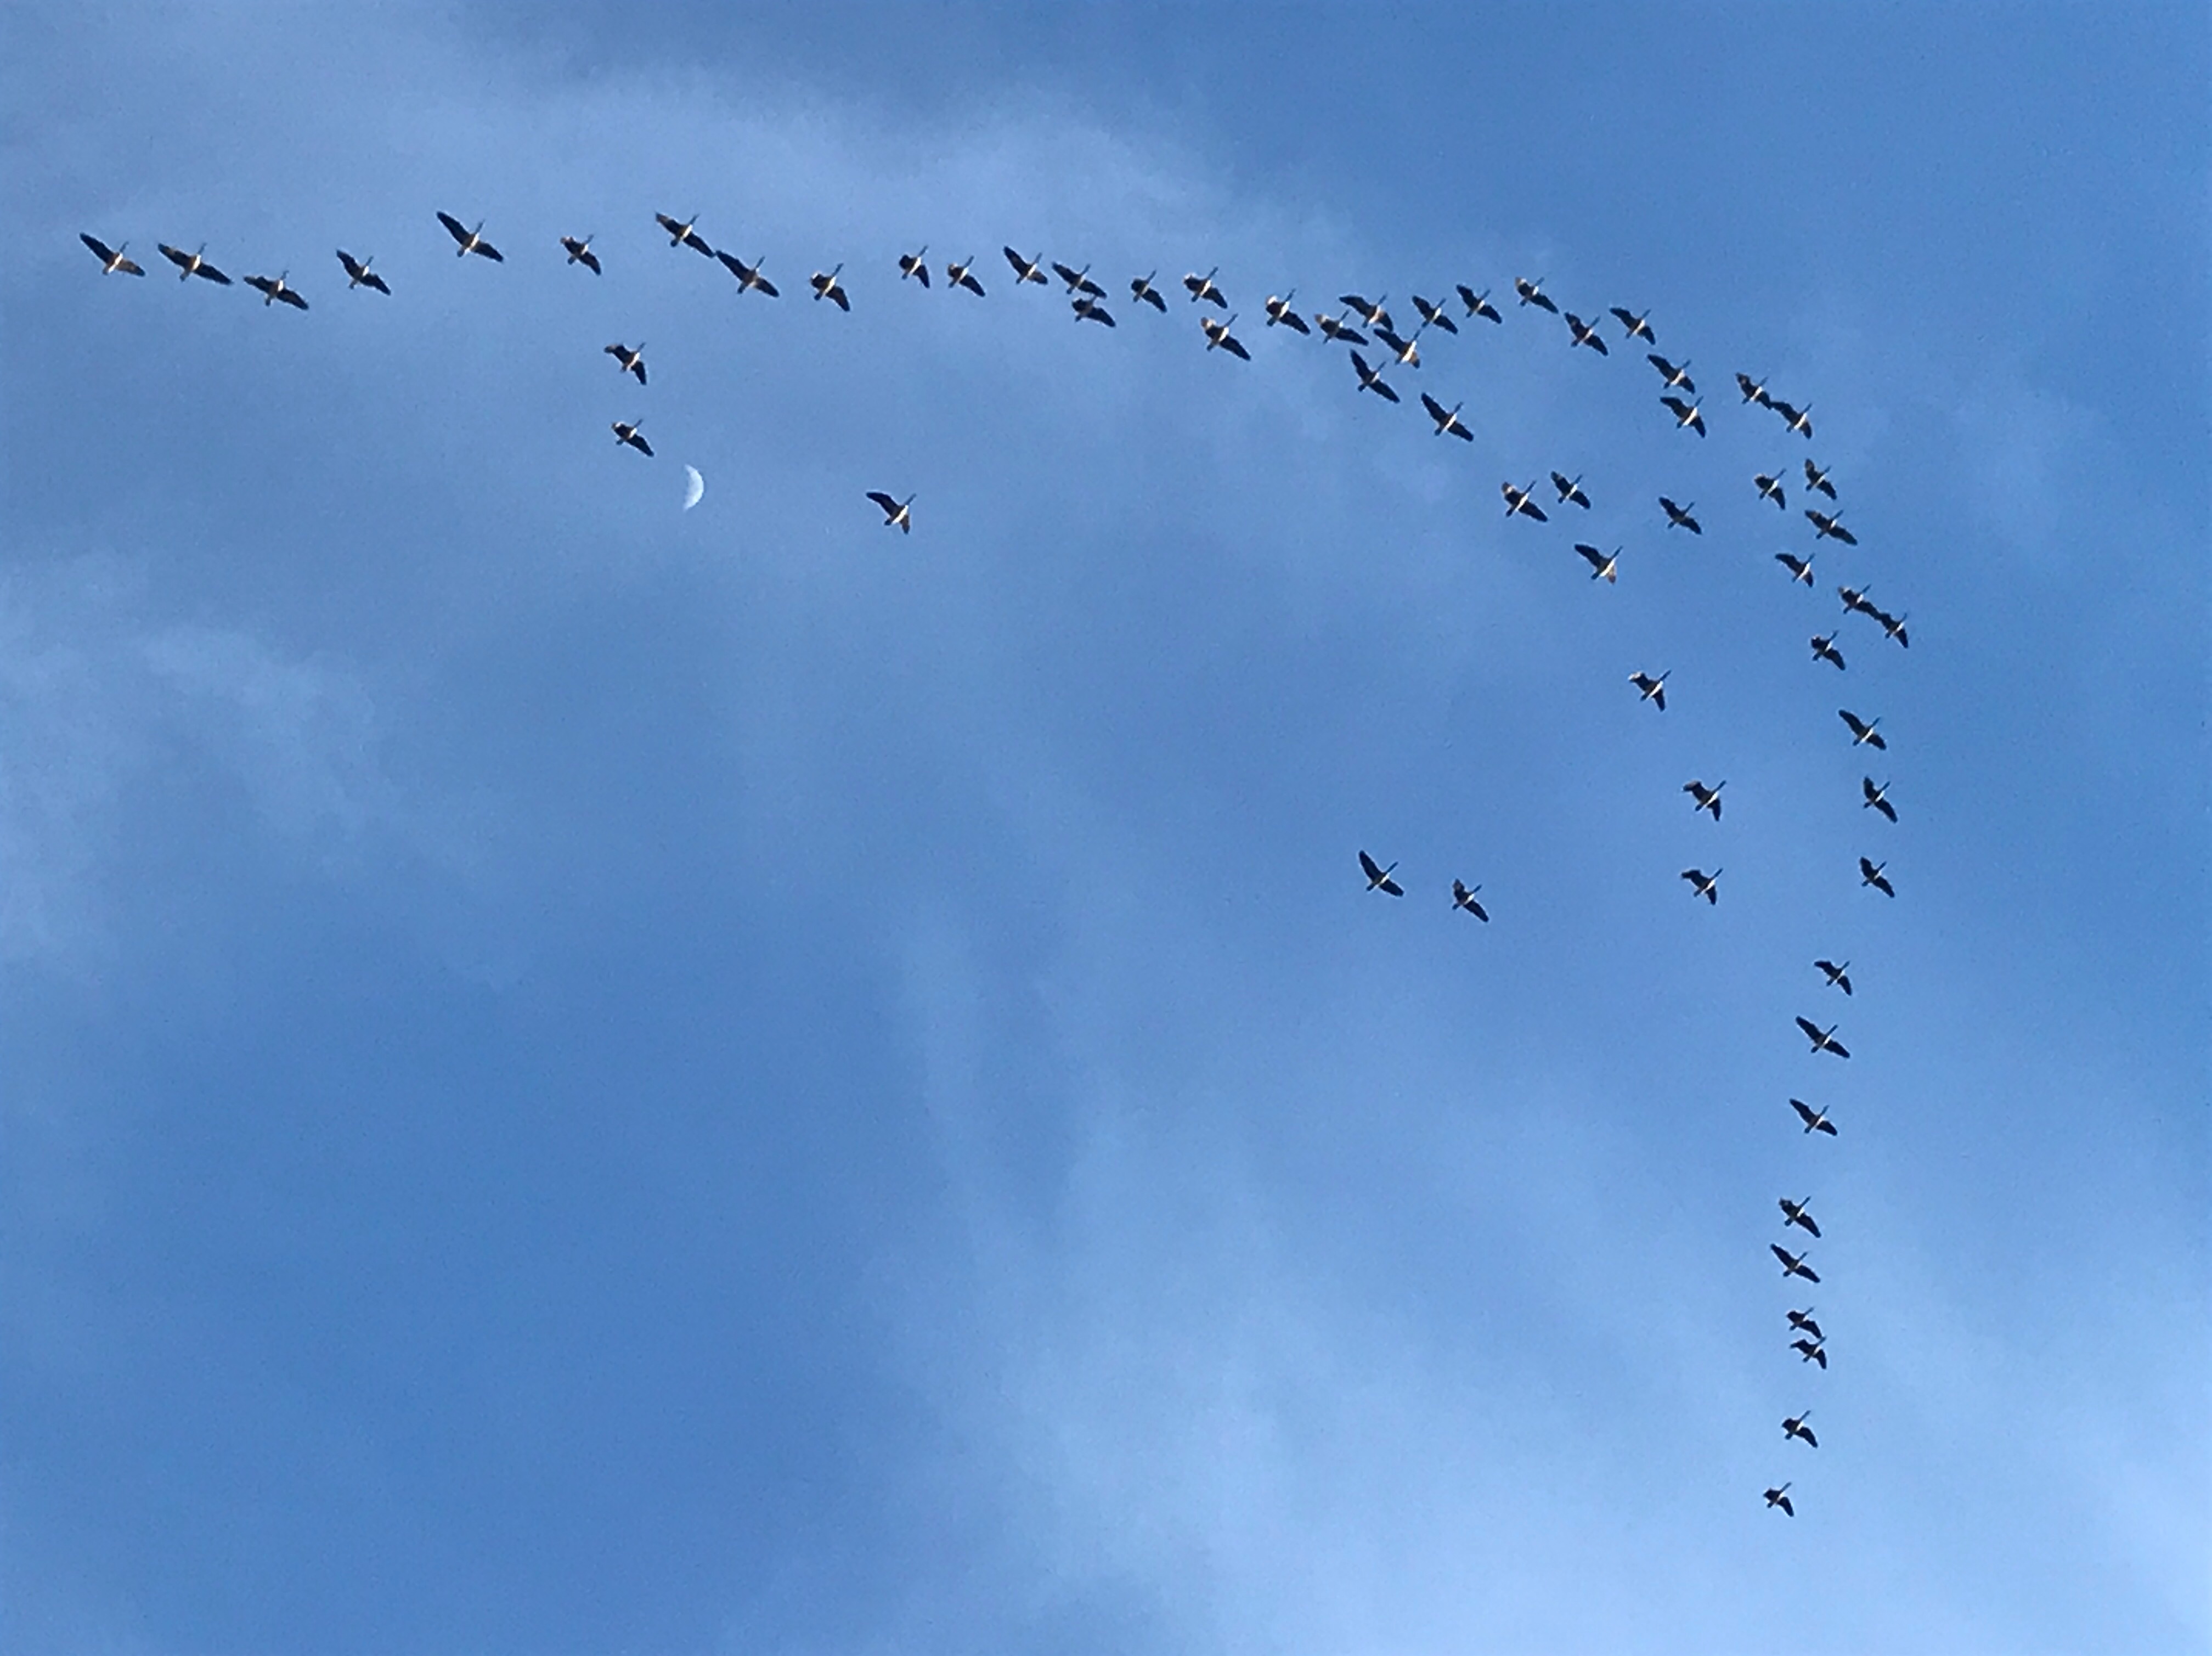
(1604, 566)
(1463, 898)
(1707, 885)
(1447, 419)
(467, 241)
(1378, 878)
(897, 513)
(1652, 689)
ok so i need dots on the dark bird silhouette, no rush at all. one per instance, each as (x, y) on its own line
(1478, 304)
(1584, 334)
(1702, 798)
(824, 284)
(629, 361)
(1793, 1213)
(1639, 328)
(1838, 974)
(1893, 626)
(1078, 282)
(1279, 313)
(962, 275)
(1532, 293)
(1678, 517)
(1799, 420)
(1518, 501)
(629, 435)
(1378, 878)
(1871, 873)
(469, 242)
(1810, 1351)
(750, 279)
(1754, 391)
(1792, 1265)
(1779, 1496)
(1815, 478)
(1816, 1121)
(1218, 337)
(1830, 528)
(1652, 689)
(1795, 1427)
(1672, 377)
(682, 234)
(913, 264)
(1463, 898)
(1770, 489)
(1338, 331)
(1142, 290)
(1685, 414)
(1371, 379)
(1823, 1040)
(1088, 309)
(273, 290)
(112, 261)
(1447, 419)
(358, 275)
(1433, 316)
(1373, 315)
(1824, 649)
(1800, 569)
(1404, 349)
(1707, 885)
(579, 250)
(1803, 1322)
(192, 265)
(1570, 490)
(1877, 799)
(897, 513)
(1025, 270)
(1855, 601)
(1603, 566)
(1201, 289)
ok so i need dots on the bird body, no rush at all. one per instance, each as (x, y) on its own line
(1079, 282)
(1604, 566)
(1877, 799)
(1838, 974)
(358, 275)
(1702, 798)
(897, 513)
(1433, 316)
(913, 264)
(1088, 309)
(1371, 379)
(1816, 1121)
(1570, 490)
(1803, 1322)
(1218, 337)
(1478, 304)
(627, 361)
(1519, 503)
(1795, 1427)
(1779, 1497)
(467, 241)
(1678, 517)
(1792, 1265)
(1672, 377)
(1685, 414)
(683, 235)
(1373, 315)
(1532, 293)
(630, 436)
(192, 265)
(1447, 419)
(962, 275)
(1704, 885)
(1650, 689)
(1025, 270)
(1754, 391)
(1404, 349)
(1893, 626)
(1336, 329)
(579, 250)
(824, 284)
(1800, 569)
(1463, 898)
(1871, 873)
(1201, 289)
(1793, 1213)
(1823, 1040)
(1378, 878)
(1799, 420)
(1639, 328)
(1815, 478)
(273, 290)
(1829, 528)
(1584, 334)
(1770, 489)
(111, 260)
(1142, 290)
(1810, 1351)
(1824, 649)
(1279, 313)
(750, 279)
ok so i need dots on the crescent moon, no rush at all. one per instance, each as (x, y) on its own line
(694, 487)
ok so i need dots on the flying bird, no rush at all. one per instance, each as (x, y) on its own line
(962, 275)
(1877, 799)
(1855, 601)
(1079, 282)
(1678, 517)
(1685, 414)
(1754, 391)
(1434, 316)
(112, 261)
(1335, 328)
(1570, 490)
(1779, 1496)
(469, 242)
(629, 435)
(1585, 333)
(1770, 489)
(1218, 337)
(912, 264)
(1088, 309)
(192, 265)
(1650, 689)
(1838, 974)
(1893, 626)
(897, 513)
(682, 236)
(1373, 315)
(1793, 1213)
(1816, 1121)
(1799, 420)
(1463, 898)
(1142, 290)
(1704, 885)
(1025, 270)
(627, 361)
(1371, 379)
(358, 275)
(1830, 528)
(1810, 1351)
(1447, 419)
(824, 284)
(1602, 567)
(1795, 1427)
(1824, 649)
(1871, 873)
(1404, 349)
(1803, 1322)
(1800, 569)
(1639, 328)
(1517, 501)
(1792, 1265)
(1532, 293)
(1279, 313)
(1702, 798)
(580, 252)
(1823, 1040)
(1478, 304)
(750, 279)
(1816, 478)
(1378, 879)
(1201, 289)
(1673, 378)
(273, 290)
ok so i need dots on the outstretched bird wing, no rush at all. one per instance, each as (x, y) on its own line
(459, 231)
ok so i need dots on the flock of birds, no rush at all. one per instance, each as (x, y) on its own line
(1358, 325)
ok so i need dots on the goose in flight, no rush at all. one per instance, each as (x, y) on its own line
(579, 250)
(1218, 337)
(1604, 566)
(1811, 1351)
(1702, 798)
(1793, 1213)
(467, 241)
(192, 265)
(1373, 315)
(1142, 290)
(1088, 309)
(273, 290)
(1871, 873)
(1779, 1496)
(1877, 799)
(1672, 377)
(1817, 478)
(1770, 489)
(1829, 528)
(1447, 419)
(358, 275)
(1893, 626)
(1639, 328)
(629, 436)
(912, 264)
(1025, 270)
(1795, 1427)
(1202, 291)
(1570, 490)
(1824, 649)
(1652, 689)
(1279, 313)
(1407, 353)
(962, 275)
(1078, 282)
(1704, 885)
(1532, 293)
(1800, 569)
(627, 361)
(1371, 379)
(1816, 1121)
(1839, 973)
(1678, 517)
(897, 513)
(1803, 1322)
(1517, 501)
(1685, 414)
(1799, 420)
(1337, 330)
(1754, 391)
(1584, 334)
(1463, 898)
(1378, 878)
(111, 260)
(1478, 304)
(683, 235)
(824, 284)
(1433, 316)
(1823, 1040)
(750, 279)
(1792, 1265)
(1855, 601)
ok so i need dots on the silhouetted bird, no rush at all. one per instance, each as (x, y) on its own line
(1779, 1497)
(580, 252)
(1279, 313)
(1463, 898)
(1830, 528)
(1532, 293)
(1678, 517)
(1810, 1351)
(1685, 414)
(1816, 478)
(1754, 391)
(1142, 290)
(1584, 334)
(1604, 566)
(1862, 732)
(1838, 974)
(1816, 1121)
(1803, 1322)
(1877, 799)
(1570, 490)
(1704, 885)
(1447, 419)
(1218, 337)
(824, 284)
(112, 261)
(913, 264)
(1650, 689)
(1201, 289)
(1824, 649)
(1871, 873)
(1673, 378)
(750, 279)
(1795, 1427)
(1025, 270)
(962, 275)
(1637, 327)
(1770, 489)
(1433, 316)
(273, 290)
(629, 361)
(1823, 1040)
(1793, 1213)
(1792, 1265)
(1378, 879)
(358, 275)
(629, 435)
(897, 513)
(1371, 379)
(1800, 569)
(192, 265)
(1478, 304)
(469, 242)
(1517, 501)
(682, 234)
(1702, 798)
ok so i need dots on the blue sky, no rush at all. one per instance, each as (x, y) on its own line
(580, 1076)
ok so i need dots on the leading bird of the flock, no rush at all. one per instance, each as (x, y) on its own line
(1877, 799)
(1673, 376)
(1478, 304)
(1279, 313)
(1463, 898)
(911, 265)
(683, 235)
(1447, 419)
(1795, 1427)
(1678, 517)
(750, 279)
(111, 260)
(1378, 878)
(962, 275)
(467, 241)
(1794, 1213)
(1142, 291)
(629, 361)
(1707, 885)
(273, 290)
(358, 275)
(1779, 1496)
(1838, 972)
(1824, 1040)
(1871, 873)
(192, 265)
(1604, 566)
(1685, 414)
(1202, 291)
(1570, 490)
(897, 513)
(1532, 293)
(1816, 1121)
(1639, 328)
(824, 284)
(1025, 270)
(1518, 502)
(1702, 798)
(1652, 689)
(578, 249)
(1371, 379)
(1584, 334)
(1824, 649)
(1792, 1265)
(628, 434)
(1800, 569)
